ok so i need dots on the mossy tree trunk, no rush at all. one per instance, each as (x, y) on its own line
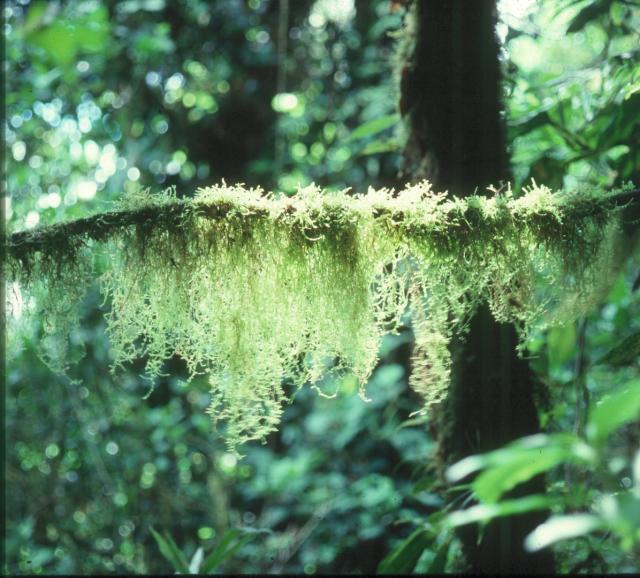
(450, 98)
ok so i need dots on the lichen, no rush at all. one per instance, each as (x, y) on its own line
(252, 288)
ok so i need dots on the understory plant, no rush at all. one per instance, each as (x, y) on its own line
(612, 507)
(252, 288)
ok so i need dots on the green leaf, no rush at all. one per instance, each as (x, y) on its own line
(616, 12)
(380, 146)
(439, 562)
(486, 512)
(504, 455)
(35, 16)
(223, 550)
(518, 462)
(403, 559)
(196, 561)
(57, 41)
(491, 484)
(625, 353)
(171, 552)
(622, 120)
(373, 127)
(614, 411)
(559, 528)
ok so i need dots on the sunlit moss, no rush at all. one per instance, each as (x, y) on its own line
(251, 288)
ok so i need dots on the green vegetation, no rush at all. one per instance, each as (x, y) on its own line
(249, 289)
(106, 100)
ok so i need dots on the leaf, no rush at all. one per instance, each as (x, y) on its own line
(471, 464)
(613, 412)
(403, 558)
(373, 127)
(380, 146)
(223, 550)
(622, 122)
(625, 353)
(486, 512)
(171, 552)
(196, 561)
(616, 12)
(35, 16)
(491, 484)
(559, 528)
(439, 562)
(518, 462)
(57, 41)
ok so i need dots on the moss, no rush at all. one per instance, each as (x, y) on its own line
(249, 288)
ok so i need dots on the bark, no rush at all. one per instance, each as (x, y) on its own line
(450, 96)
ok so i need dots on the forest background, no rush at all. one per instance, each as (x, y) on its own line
(109, 97)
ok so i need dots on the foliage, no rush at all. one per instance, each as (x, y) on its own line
(250, 289)
(184, 93)
(615, 504)
(229, 543)
(573, 98)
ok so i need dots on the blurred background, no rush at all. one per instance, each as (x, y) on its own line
(107, 97)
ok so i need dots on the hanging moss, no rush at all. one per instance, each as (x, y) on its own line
(249, 288)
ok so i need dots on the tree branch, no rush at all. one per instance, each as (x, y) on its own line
(99, 227)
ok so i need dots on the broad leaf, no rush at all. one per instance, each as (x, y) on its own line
(520, 461)
(486, 512)
(613, 412)
(560, 528)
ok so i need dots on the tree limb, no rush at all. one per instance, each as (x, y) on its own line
(100, 226)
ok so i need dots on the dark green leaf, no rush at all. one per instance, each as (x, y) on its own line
(403, 559)
(223, 550)
(171, 552)
(623, 119)
(625, 353)
(439, 562)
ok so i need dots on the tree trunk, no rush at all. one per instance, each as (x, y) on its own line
(450, 97)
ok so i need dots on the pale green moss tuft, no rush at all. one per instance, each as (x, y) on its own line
(252, 288)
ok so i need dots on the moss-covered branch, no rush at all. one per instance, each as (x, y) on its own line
(169, 213)
(250, 288)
